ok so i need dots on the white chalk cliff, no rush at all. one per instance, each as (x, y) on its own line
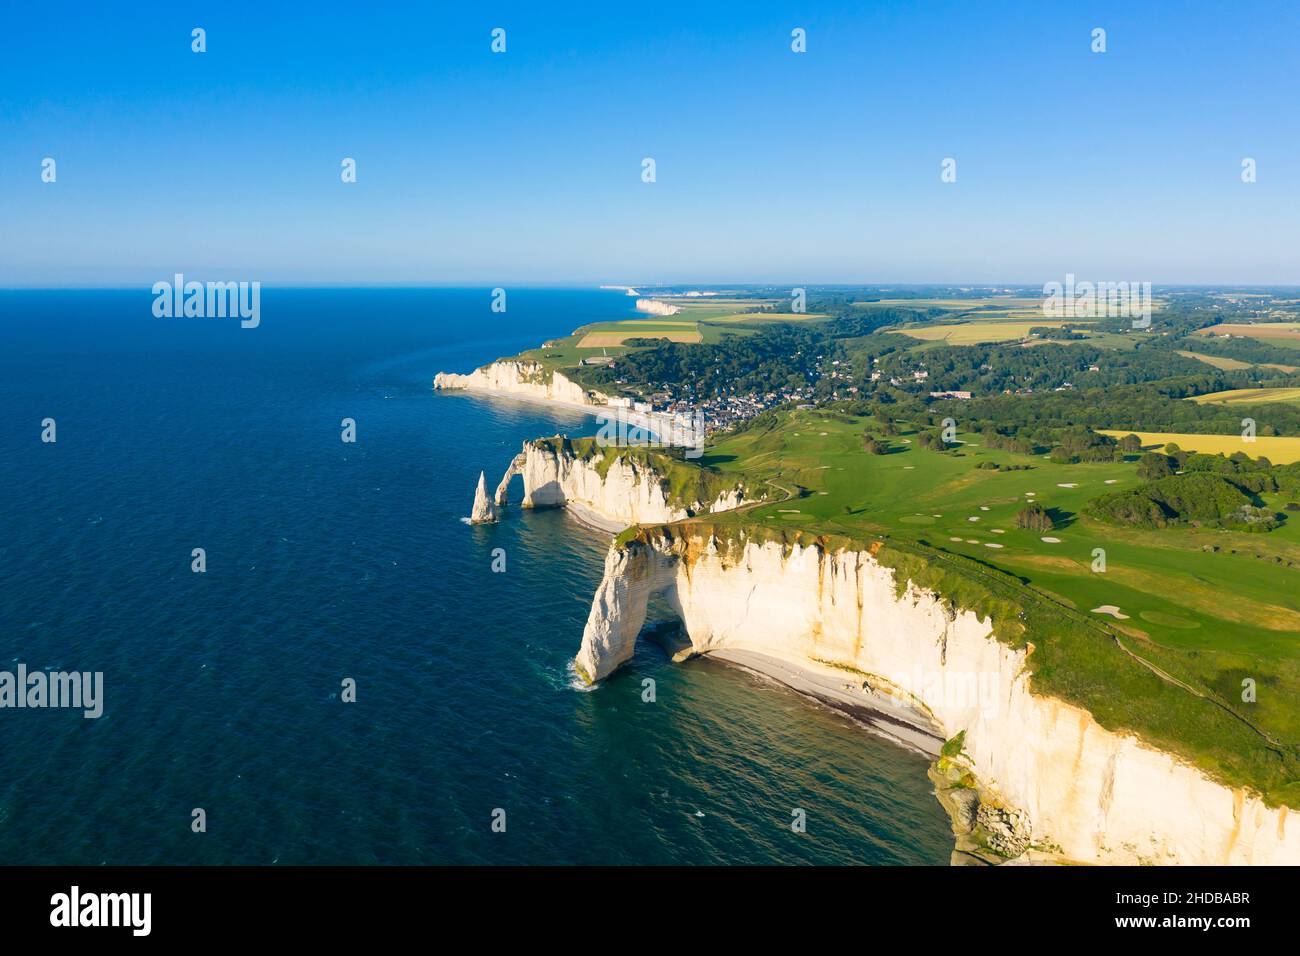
(484, 511)
(655, 307)
(1083, 793)
(629, 492)
(522, 379)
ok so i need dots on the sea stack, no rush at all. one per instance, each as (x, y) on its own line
(485, 512)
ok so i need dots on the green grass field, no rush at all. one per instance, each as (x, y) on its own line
(953, 524)
(699, 321)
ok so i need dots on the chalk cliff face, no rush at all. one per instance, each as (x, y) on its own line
(484, 511)
(630, 492)
(522, 379)
(1085, 793)
(655, 307)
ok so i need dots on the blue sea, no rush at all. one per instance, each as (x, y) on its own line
(328, 561)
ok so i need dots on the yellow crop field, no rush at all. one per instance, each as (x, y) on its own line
(1280, 451)
(1249, 396)
(764, 317)
(975, 333)
(965, 305)
(1227, 364)
(1270, 330)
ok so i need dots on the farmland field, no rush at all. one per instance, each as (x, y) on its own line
(975, 333)
(1251, 396)
(603, 339)
(1224, 364)
(1280, 451)
(762, 317)
(698, 320)
(1006, 303)
(1276, 333)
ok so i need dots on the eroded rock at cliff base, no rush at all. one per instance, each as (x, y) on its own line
(503, 488)
(618, 611)
(484, 511)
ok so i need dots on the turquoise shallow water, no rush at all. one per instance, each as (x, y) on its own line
(329, 560)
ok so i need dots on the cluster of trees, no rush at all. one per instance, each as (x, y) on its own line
(1197, 498)
(1255, 475)
(1078, 444)
(782, 358)
(1241, 349)
(933, 441)
(1035, 518)
(874, 446)
(1062, 333)
(992, 369)
(785, 356)
(1133, 407)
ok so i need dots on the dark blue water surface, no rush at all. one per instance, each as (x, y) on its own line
(328, 561)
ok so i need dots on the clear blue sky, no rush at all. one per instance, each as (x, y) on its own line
(525, 167)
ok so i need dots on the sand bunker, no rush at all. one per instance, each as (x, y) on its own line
(1052, 540)
(1112, 610)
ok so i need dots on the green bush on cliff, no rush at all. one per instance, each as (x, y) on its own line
(952, 748)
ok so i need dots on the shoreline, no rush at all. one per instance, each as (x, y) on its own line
(835, 689)
(471, 391)
(593, 519)
(593, 409)
(841, 691)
